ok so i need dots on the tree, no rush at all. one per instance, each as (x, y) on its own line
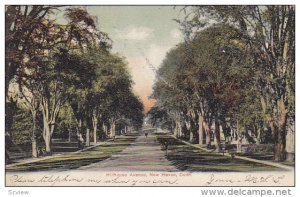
(220, 74)
(133, 110)
(108, 98)
(204, 80)
(38, 47)
(21, 25)
(270, 35)
(67, 65)
(159, 117)
(31, 101)
(25, 29)
(167, 91)
(23, 96)
(118, 88)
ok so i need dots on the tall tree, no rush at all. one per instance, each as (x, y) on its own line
(270, 35)
(21, 26)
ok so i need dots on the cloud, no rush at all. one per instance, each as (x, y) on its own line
(134, 33)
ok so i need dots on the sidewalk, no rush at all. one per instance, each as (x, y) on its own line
(144, 154)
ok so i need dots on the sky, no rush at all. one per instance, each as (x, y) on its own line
(140, 32)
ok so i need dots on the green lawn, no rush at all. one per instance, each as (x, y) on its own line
(66, 162)
(120, 143)
(76, 160)
(186, 157)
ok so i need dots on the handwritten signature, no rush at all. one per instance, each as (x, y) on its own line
(247, 179)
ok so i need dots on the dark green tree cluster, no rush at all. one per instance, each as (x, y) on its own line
(232, 76)
(65, 77)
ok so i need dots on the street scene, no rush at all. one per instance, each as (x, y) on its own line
(136, 152)
(161, 94)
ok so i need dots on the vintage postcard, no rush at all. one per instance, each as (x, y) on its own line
(149, 95)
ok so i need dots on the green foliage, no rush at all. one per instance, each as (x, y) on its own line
(66, 122)
(237, 68)
(210, 73)
(21, 130)
(109, 95)
(69, 74)
(160, 118)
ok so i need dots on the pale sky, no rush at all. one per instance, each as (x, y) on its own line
(140, 32)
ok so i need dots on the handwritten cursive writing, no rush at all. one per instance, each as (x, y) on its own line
(247, 179)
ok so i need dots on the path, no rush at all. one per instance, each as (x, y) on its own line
(144, 154)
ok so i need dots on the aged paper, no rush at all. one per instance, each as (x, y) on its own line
(149, 95)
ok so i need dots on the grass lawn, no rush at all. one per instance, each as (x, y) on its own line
(65, 162)
(186, 157)
(268, 157)
(76, 160)
(120, 143)
(257, 156)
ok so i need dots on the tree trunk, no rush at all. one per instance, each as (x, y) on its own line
(52, 129)
(49, 117)
(279, 146)
(200, 128)
(258, 135)
(239, 145)
(208, 133)
(105, 129)
(95, 134)
(176, 130)
(129, 129)
(112, 129)
(47, 139)
(33, 139)
(207, 139)
(279, 149)
(47, 132)
(47, 135)
(179, 130)
(290, 142)
(87, 142)
(69, 134)
(278, 127)
(34, 147)
(280, 132)
(95, 124)
(191, 136)
(191, 131)
(46, 129)
(217, 135)
(79, 127)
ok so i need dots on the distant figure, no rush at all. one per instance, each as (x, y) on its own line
(44, 151)
(41, 151)
(146, 134)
